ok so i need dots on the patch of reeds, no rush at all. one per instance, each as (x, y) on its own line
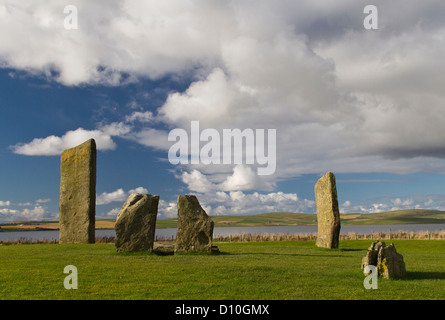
(27, 241)
(400, 235)
(49, 241)
(105, 240)
(247, 237)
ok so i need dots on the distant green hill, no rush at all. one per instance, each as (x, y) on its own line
(263, 219)
(414, 216)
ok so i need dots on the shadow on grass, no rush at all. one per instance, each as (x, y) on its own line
(288, 254)
(135, 253)
(163, 253)
(168, 253)
(322, 252)
(197, 253)
(347, 250)
(421, 275)
(220, 253)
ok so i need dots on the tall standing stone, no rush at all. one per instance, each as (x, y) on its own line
(328, 216)
(136, 223)
(195, 228)
(77, 205)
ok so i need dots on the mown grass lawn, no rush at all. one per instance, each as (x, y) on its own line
(255, 270)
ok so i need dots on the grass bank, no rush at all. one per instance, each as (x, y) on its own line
(250, 270)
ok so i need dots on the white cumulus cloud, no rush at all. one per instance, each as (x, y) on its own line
(118, 195)
(5, 203)
(54, 145)
(241, 203)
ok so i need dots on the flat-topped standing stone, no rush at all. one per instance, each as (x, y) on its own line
(328, 216)
(136, 223)
(195, 228)
(77, 205)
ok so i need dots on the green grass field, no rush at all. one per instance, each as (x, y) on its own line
(251, 270)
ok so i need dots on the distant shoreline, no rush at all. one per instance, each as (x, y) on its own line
(414, 216)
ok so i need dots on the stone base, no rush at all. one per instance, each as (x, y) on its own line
(162, 247)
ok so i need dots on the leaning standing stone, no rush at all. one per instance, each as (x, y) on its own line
(77, 205)
(195, 228)
(328, 216)
(136, 223)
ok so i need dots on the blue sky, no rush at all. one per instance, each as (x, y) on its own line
(364, 104)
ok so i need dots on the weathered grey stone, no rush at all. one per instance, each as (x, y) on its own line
(77, 204)
(136, 223)
(372, 255)
(389, 263)
(195, 228)
(164, 247)
(328, 216)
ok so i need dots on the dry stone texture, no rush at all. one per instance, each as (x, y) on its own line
(328, 216)
(77, 205)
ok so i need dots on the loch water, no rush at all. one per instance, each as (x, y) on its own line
(166, 233)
